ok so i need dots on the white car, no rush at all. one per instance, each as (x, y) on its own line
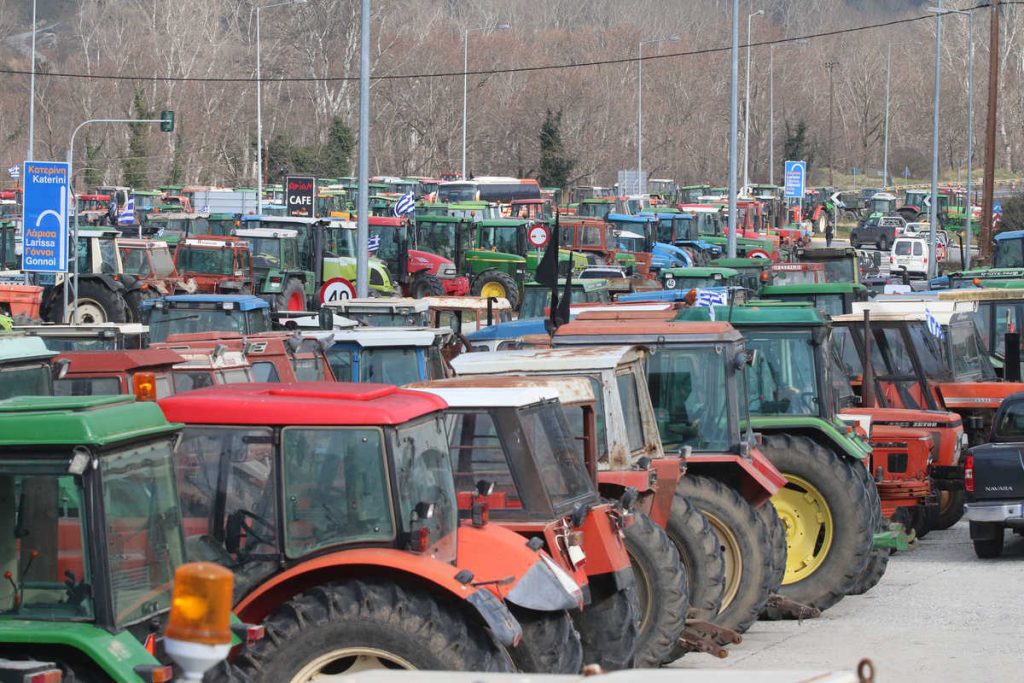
(914, 230)
(910, 254)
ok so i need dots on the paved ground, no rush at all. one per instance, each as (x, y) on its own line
(939, 614)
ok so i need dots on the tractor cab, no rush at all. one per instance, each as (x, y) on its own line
(418, 271)
(384, 311)
(465, 314)
(190, 313)
(274, 356)
(95, 337)
(217, 265)
(389, 355)
(842, 264)
(882, 203)
(145, 373)
(685, 279)
(173, 226)
(26, 366)
(202, 368)
(277, 267)
(537, 297)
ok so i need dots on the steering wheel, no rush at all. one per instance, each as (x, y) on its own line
(236, 524)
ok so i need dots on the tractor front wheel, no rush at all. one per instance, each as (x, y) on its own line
(777, 540)
(550, 643)
(292, 296)
(951, 509)
(425, 284)
(497, 284)
(353, 626)
(746, 546)
(829, 520)
(96, 304)
(660, 596)
(607, 628)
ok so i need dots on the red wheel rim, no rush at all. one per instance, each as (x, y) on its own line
(297, 302)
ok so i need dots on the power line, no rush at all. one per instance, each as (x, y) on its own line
(488, 72)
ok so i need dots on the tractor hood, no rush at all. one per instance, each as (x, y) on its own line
(485, 255)
(433, 263)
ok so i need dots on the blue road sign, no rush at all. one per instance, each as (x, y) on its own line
(997, 208)
(796, 177)
(45, 217)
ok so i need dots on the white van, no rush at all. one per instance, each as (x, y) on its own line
(910, 253)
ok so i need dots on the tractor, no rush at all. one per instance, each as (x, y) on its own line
(189, 313)
(420, 273)
(279, 274)
(102, 291)
(217, 265)
(145, 373)
(149, 272)
(26, 366)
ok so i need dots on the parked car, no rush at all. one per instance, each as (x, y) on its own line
(880, 231)
(994, 480)
(910, 254)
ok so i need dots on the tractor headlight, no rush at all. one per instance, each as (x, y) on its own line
(447, 272)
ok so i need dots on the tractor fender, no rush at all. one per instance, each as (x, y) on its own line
(117, 655)
(130, 282)
(108, 281)
(424, 571)
(844, 443)
(755, 478)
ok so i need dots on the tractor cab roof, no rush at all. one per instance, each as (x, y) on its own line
(272, 233)
(15, 347)
(760, 314)
(243, 302)
(643, 329)
(1009, 235)
(568, 389)
(381, 337)
(466, 303)
(396, 305)
(89, 362)
(98, 232)
(302, 403)
(465, 396)
(78, 420)
(545, 360)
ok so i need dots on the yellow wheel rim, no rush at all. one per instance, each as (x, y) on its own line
(809, 527)
(733, 558)
(494, 289)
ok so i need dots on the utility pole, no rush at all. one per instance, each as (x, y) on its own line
(885, 144)
(771, 114)
(363, 163)
(831, 106)
(933, 213)
(734, 101)
(990, 135)
(32, 93)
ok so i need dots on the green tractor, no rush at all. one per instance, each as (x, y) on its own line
(278, 272)
(916, 206)
(512, 236)
(830, 505)
(93, 537)
(491, 273)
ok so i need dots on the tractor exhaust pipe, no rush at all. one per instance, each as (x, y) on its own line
(1011, 361)
(867, 387)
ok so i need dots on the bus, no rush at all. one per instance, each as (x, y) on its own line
(488, 189)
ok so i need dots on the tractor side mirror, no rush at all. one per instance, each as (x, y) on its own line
(484, 487)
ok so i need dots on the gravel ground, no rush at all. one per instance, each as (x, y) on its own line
(939, 614)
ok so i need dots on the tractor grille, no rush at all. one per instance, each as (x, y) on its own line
(897, 462)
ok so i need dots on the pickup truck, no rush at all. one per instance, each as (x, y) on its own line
(994, 480)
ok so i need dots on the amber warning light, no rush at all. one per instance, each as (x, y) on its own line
(198, 633)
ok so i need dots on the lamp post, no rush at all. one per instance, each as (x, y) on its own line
(746, 107)
(465, 81)
(933, 210)
(771, 108)
(885, 143)
(32, 92)
(640, 107)
(734, 96)
(831, 105)
(970, 123)
(259, 101)
(363, 162)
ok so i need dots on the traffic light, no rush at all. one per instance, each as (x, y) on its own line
(167, 121)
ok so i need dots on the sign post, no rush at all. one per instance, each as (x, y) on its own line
(45, 217)
(300, 196)
(795, 180)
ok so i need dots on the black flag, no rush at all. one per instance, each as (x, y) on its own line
(547, 274)
(561, 315)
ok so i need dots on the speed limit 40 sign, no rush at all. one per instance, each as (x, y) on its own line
(336, 289)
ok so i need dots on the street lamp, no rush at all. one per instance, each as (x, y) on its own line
(465, 80)
(259, 103)
(970, 123)
(933, 210)
(32, 92)
(746, 106)
(640, 107)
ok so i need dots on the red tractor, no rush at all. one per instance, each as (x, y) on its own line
(217, 265)
(335, 506)
(419, 273)
(274, 356)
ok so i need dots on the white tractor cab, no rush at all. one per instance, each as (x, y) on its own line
(26, 367)
(95, 337)
(389, 355)
(205, 369)
(383, 311)
(911, 254)
(461, 314)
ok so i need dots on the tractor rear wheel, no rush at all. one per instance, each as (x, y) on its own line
(425, 284)
(497, 284)
(828, 517)
(96, 304)
(777, 540)
(879, 562)
(746, 546)
(701, 555)
(660, 597)
(356, 625)
(550, 643)
(951, 509)
(292, 296)
(607, 628)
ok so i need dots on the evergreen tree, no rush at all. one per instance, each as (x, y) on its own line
(555, 164)
(136, 163)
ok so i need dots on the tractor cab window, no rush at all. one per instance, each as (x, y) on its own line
(969, 360)
(26, 379)
(167, 321)
(266, 252)
(335, 488)
(396, 366)
(550, 440)
(1009, 254)
(340, 360)
(135, 262)
(390, 243)
(308, 369)
(143, 526)
(629, 397)
(205, 260)
(590, 236)
(42, 515)
(567, 236)
(505, 240)
(234, 464)
(784, 380)
(265, 371)
(87, 386)
(1010, 426)
(423, 470)
(444, 239)
(689, 392)
(338, 241)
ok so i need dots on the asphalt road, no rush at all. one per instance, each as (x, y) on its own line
(938, 614)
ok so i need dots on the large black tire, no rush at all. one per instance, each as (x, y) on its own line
(851, 520)
(950, 510)
(322, 630)
(550, 643)
(777, 540)
(425, 284)
(660, 596)
(746, 545)
(291, 294)
(497, 278)
(607, 628)
(988, 548)
(875, 569)
(701, 555)
(96, 304)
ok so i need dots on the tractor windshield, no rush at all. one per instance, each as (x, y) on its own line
(26, 379)
(144, 539)
(970, 362)
(266, 252)
(391, 242)
(689, 391)
(504, 239)
(135, 262)
(784, 379)
(206, 260)
(87, 386)
(631, 242)
(423, 470)
(336, 488)
(1009, 253)
(443, 239)
(42, 515)
(390, 365)
(166, 321)
(551, 443)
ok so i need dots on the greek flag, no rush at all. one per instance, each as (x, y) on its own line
(127, 216)
(933, 325)
(709, 298)
(373, 244)
(406, 205)
(15, 171)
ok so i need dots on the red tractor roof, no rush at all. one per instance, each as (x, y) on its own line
(392, 221)
(302, 403)
(644, 326)
(91, 362)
